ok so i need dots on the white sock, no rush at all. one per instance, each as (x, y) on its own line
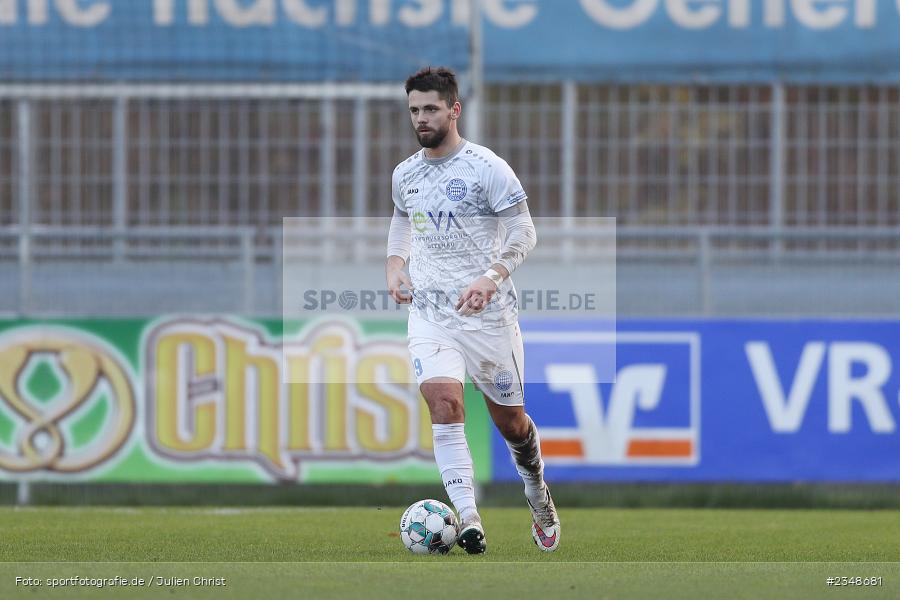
(451, 453)
(527, 457)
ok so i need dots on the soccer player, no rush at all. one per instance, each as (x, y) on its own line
(450, 200)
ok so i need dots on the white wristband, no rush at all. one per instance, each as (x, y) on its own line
(494, 276)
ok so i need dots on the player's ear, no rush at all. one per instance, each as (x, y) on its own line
(455, 110)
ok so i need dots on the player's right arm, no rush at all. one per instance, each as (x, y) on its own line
(398, 254)
(398, 248)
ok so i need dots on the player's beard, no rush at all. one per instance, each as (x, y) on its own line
(433, 138)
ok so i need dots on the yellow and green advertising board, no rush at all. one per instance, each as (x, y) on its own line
(208, 399)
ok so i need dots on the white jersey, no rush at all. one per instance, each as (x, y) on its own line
(452, 203)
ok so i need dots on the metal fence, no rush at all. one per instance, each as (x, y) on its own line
(648, 155)
(104, 181)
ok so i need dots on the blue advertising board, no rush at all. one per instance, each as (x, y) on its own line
(383, 40)
(751, 401)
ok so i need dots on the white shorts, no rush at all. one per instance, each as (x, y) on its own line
(493, 358)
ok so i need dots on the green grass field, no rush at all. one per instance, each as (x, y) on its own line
(352, 552)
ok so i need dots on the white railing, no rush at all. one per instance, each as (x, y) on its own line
(252, 258)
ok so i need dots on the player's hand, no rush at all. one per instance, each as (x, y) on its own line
(396, 280)
(476, 296)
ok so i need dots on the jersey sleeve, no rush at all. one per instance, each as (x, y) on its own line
(504, 189)
(395, 191)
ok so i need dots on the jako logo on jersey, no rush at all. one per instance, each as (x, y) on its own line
(412, 191)
(652, 413)
(453, 482)
(456, 189)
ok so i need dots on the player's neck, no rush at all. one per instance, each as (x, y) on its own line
(447, 147)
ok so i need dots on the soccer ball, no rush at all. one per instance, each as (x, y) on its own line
(428, 527)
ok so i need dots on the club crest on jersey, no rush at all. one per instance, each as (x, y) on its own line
(503, 380)
(456, 189)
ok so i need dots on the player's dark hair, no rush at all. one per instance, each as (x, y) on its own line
(438, 79)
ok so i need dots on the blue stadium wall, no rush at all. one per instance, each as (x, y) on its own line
(715, 400)
(348, 40)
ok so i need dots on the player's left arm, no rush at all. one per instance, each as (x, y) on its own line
(521, 238)
(506, 199)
